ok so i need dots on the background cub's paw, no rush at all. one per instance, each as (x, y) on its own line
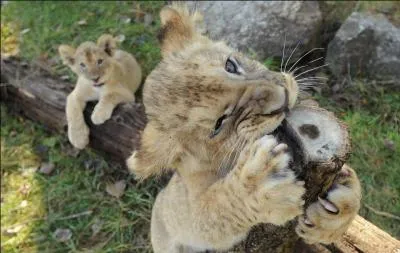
(100, 115)
(327, 219)
(277, 191)
(79, 137)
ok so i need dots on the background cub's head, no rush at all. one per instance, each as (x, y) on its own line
(90, 60)
(204, 99)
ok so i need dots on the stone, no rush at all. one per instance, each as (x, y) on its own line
(366, 46)
(261, 26)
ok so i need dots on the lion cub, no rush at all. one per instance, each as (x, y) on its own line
(210, 113)
(106, 74)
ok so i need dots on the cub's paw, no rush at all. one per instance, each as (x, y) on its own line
(327, 219)
(79, 136)
(276, 192)
(100, 115)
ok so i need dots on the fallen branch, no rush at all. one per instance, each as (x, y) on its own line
(381, 213)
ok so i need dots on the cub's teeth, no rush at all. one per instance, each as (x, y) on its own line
(308, 222)
(328, 205)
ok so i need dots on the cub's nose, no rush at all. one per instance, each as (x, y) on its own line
(96, 79)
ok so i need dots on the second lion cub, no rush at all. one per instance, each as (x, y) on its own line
(106, 74)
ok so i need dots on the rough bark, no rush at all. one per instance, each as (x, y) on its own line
(363, 236)
(41, 97)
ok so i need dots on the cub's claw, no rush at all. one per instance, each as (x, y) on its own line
(329, 206)
(329, 217)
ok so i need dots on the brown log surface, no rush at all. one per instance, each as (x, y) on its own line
(41, 98)
(368, 238)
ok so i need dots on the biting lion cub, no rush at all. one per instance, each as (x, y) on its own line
(106, 74)
(210, 112)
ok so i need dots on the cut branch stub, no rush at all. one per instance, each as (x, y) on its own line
(319, 143)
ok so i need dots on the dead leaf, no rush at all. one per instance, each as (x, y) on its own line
(389, 144)
(46, 168)
(126, 20)
(117, 189)
(148, 19)
(120, 38)
(24, 203)
(25, 189)
(96, 227)
(25, 31)
(82, 22)
(13, 231)
(62, 235)
(28, 172)
(65, 77)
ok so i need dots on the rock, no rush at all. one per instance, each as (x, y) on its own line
(261, 26)
(365, 45)
(62, 234)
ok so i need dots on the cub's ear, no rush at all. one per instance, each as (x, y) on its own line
(155, 154)
(67, 54)
(108, 43)
(178, 27)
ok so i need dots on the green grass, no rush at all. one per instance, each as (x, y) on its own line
(53, 23)
(77, 185)
(75, 188)
(373, 118)
(378, 166)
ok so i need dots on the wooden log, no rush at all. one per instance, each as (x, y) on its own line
(41, 98)
(363, 236)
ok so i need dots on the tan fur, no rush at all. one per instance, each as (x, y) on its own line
(119, 76)
(225, 181)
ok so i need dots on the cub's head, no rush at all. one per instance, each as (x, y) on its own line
(205, 100)
(90, 60)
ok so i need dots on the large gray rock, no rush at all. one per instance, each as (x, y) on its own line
(261, 26)
(365, 45)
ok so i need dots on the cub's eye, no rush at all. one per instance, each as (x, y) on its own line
(99, 62)
(218, 126)
(82, 65)
(231, 66)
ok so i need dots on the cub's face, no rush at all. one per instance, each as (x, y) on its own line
(207, 100)
(90, 60)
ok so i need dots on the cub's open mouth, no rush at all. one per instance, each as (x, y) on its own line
(98, 84)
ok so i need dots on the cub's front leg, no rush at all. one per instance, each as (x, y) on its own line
(107, 102)
(260, 189)
(327, 219)
(78, 131)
